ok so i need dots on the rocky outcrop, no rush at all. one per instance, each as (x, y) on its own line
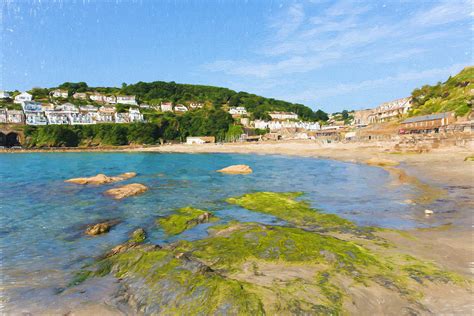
(185, 218)
(138, 235)
(127, 190)
(236, 169)
(101, 228)
(102, 179)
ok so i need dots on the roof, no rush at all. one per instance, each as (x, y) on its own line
(429, 117)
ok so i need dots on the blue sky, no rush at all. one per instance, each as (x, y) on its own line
(332, 55)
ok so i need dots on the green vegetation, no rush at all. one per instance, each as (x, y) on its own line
(284, 206)
(138, 236)
(255, 269)
(452, 95)
(185, 218)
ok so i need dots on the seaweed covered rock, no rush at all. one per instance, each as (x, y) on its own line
(236, 169)
(185, 218)
(127, 190)
(138, 235)
(102, 179)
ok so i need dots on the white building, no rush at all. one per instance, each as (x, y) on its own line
(166, 106)
(22, 97)
(196, 105)
(279, 125)
(81, 118)
(390, 110)
(135, 115)
(3, 116)
(106, 114)
(32, 106)
(283, 115)
(59, 93)
(122, 118)
(240, 110)
(88, 108)
(80, 95)
(57, 117)
(4, 95)
(111, 99)
(67, 108)
(126, 99)
(15, 117)
(35, 118)
(180, 108)
(190, 140)
(97, 97)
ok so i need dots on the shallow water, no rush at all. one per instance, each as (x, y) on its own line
(42, 218)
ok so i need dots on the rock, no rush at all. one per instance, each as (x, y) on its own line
(138, 235)
(236, 169)
(127, 190)
(429, 212)
(101, 228)
(102, 179)
(130, 245)
(381, 162)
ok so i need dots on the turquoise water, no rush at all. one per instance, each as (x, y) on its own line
(43, 218)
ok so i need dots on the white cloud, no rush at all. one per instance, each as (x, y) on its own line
(288, 23)
(444, 13)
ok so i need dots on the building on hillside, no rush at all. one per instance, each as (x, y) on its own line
(89, 108)
(180, 108)
(81, 118)
(67, 108)
(22, 97)
(97, 97)
(106, 114)
(4, 95)
(166, 106)
(144, 106)
(15, 117)
(390, 110)
(200, 140)
(59, 93)
(432, 123)
(35, 118)
(32, 106)
(238, 111)
(57, 117)
(80, 96)
(135, 115)
(361, 117)
(126, 99)
(3, 115)
(276, 125)
(283, 115)
(110, 99)
(195, 105)
(47, 107)
(122, 118)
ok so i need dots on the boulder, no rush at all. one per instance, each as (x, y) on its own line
(138, 235)
(100, 228)
(236, 169)
(102, 179)
(127, 190)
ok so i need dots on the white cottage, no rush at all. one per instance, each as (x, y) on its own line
(3, 116)
(4, 94)
(32, 106)
(166, 106)
(36, 118)
(15, 117)
(180, 108)
(59, 93)
(106, 114)
(126, 99)
(22, 97)
(81, 118)
(240, 110)
(122, 118)
(135, 115)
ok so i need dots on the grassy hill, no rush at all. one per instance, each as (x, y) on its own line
(453, 95)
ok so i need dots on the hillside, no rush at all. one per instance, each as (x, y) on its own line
(453, 95)
(158, 91)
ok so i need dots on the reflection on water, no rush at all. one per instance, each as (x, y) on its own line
(42, 218)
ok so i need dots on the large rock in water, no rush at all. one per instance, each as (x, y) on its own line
(236, 169)
(102, 179)
(127, 190)
(101, 228)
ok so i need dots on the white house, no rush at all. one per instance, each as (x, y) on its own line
(135, 115)
(35, 118)
(122, 118)
(32, 106)
(15, 117)
(80, 95)
(4, 94)
(390, 110)
(81, 118)
(180, 108)
(166, 106)
(111, 99)
(47, 107)
(97, 97)
(57, 117)
(59, 93)
(283, 115)
(3, 116)
(126, 99)
(196, 105)
(67, 108)
(106, 114)
(22, 97)
(240, 110)
(88, 108)
(200, 140)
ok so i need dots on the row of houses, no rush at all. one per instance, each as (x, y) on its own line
(35, 113)
(385, 112)
(276, 125)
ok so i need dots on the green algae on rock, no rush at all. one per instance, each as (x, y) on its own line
(185, 218)
(138, 236)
